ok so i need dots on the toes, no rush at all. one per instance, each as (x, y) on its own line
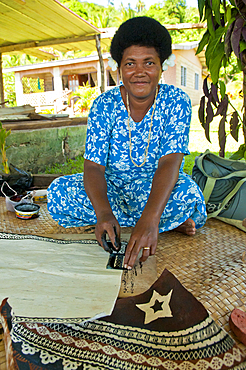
(188, 227)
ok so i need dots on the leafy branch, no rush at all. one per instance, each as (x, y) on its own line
(225, 36)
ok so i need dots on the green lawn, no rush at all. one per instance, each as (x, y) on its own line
(71, 166)
(198, 144)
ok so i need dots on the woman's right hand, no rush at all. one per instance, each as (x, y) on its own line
(107, 224)
(96, 189)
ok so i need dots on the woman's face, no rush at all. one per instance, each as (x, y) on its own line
(140, 70)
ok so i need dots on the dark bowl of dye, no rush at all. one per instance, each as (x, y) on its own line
(26, 211)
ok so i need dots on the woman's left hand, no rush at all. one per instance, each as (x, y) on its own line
(145, 237)
(145, 233)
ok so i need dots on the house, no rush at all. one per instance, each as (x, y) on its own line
(189, 70)
(45, 84)
(30, 27)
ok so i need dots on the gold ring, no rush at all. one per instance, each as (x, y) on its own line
(146, 248)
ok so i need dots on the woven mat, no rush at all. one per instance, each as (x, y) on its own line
(2, 351)
(41, 225)
(210, 265)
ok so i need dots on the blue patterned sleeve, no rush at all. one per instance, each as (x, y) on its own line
(99, 126)
(175, 137)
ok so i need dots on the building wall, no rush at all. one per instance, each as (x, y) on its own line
(188, 59)
(169, 76)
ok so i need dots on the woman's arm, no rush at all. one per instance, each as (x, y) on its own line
(96, 189)
(146, 231)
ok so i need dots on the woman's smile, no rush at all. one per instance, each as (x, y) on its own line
(140, 70)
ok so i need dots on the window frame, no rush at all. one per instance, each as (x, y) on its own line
(196, 81)
(183, 76)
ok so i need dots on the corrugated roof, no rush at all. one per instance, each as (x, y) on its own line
(30, 25)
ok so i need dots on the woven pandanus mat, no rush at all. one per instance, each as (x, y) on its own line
(211, 265)
(2, 351)
(42, 225)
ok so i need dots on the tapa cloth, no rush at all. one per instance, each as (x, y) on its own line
(45, 277)
(163, 328)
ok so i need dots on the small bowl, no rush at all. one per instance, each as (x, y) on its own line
(14, 200)
(40, 196)
(26, 211)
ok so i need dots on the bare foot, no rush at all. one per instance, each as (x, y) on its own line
(188, 227)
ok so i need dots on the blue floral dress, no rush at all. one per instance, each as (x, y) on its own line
(128, 186)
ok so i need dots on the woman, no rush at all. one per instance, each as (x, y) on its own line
(137, 137)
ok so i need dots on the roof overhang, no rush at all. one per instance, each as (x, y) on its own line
(183, 46)
(30, 26)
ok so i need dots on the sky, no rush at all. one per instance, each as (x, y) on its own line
(134, 2)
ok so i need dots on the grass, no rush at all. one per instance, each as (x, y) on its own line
(70, 167)
(198, 144)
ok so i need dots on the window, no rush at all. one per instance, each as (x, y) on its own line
(196, 81)
(111, 81)
(32, 85)
(73, 82)
(183, 76)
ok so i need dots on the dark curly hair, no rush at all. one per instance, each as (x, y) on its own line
(142, 31)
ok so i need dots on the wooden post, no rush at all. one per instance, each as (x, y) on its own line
(98, 45)
(1, 83)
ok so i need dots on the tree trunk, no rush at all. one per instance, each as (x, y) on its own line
(98, 45)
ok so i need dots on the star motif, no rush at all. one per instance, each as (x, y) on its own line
(151, 313)
(157, 306)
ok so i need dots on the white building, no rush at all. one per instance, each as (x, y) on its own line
(58, 78)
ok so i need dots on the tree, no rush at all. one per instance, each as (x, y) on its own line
(224, 39)
(169, 12)
(76, 7)
(98, 15)
(9, 78)
(173, 12)
(126, 13)
(140, 6)
(103, 20)
(176, 10)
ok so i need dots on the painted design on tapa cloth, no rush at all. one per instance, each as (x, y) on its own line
(157, 307)
(188, 340)
(10, 236)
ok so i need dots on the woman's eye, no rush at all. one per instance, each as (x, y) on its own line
(150, 63)
(129, 64)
